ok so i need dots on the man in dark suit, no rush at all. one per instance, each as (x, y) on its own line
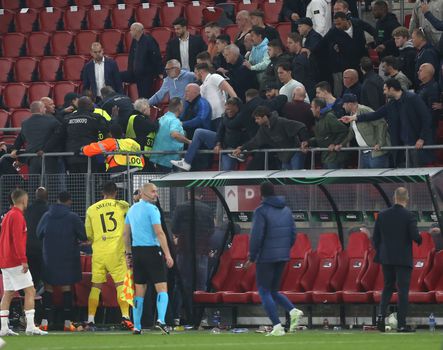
(184, 47)
(101, 71)
(394, 231)
(144, 61)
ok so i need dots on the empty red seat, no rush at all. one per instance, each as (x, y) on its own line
(83, 41)
(60, 3)
(6, 65)
(211, 14)
(111, 41)
(99, 18)
(4, 120)
(38, 44)
(26, 20)
(61, 43)
(322, 266)
(194, 13)
(434, 279)
(227, 280)
(232, 31)
(162, 35)
(18, 116)
(25, 69)
(35, 4)
(146, 15)
(10, 4)
(247, 5)
(122, 16)
(14, 95)
(284, 29)
(169, 12)
(122, 62)
(84, 3)
(73, 67)
(50, 19)
(13, 45)
(50, 68)
(74, 18)
(107, 2)
(6, 19)
(38, 90)
(61, 89)
(272, 9)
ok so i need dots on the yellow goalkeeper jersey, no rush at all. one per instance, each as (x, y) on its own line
(105, 222)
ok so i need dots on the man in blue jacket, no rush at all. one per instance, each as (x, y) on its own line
(272, 236)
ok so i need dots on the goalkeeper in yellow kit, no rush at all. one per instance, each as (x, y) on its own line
(105, 221)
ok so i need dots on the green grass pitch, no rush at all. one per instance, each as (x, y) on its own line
(304, 340)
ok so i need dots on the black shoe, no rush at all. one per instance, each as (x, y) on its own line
(136, 332)
(406, 329)
(381, 326)
(241, 157)
(91, 327)
(163, 327)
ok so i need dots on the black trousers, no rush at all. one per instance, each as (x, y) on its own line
(144, 83)
(401, 275)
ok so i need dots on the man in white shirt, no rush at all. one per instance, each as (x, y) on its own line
(320, 13)
(214, 89)
(284, 72)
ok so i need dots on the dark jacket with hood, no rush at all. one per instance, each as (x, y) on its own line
(33, 214)
(273, 231)
(60, 229)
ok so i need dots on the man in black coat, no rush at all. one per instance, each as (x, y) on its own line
(372, 86)
(117, 105)
(144, 61)
(409, 123)
(184, 47)
(33, 214)
(293, 10)
(385, 25)
(429, 92)
(394, 231)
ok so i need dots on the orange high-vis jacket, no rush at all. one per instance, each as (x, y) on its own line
(116, 145)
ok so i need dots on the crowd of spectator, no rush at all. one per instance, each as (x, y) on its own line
(321, 86)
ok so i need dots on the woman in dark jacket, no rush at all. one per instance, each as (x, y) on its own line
(60, 230)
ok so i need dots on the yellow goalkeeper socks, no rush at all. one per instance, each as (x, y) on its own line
(94, 297)
(124, 306)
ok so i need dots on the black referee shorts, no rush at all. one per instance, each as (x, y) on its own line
(148, 265)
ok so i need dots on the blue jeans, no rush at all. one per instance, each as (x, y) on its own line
(228, 163)
(201, 137)
(297, 162)
(369, 162)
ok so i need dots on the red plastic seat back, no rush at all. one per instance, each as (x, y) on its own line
(25, 69)
(98, 18)
(74, 18)
(4, 120)
(6, 65)
(169, 12)
(109, 293)
(38, 44)
(146, 15)
(61, 43)
(14, 95)
(121, 17)
(38, 90)
(272, 11)
(6, 18)
(434, 279)
(82, 289)
(25, 20)
(18, 117)
(50, 20)
(422, 260)
(13, 45)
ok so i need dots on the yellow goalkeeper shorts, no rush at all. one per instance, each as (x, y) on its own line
(102, 265)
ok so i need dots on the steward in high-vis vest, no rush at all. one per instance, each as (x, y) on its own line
(140, 127)
(105, 115)
(116, 163)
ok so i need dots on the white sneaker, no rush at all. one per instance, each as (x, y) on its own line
(296, 315)
(7, 332)
(181, 164)
(277, 331)
(36, 331)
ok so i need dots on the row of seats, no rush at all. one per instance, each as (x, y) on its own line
(327, 274)
(99, 17)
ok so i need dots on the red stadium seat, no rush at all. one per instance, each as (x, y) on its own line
(211, 14)
(13, 45)
(232, 31)
(86, 263)
(248, 5)
(25, 20)
(133, 92)
(14, 95)
(25, 69)
(434, 279)
(122, 62)
(74, 18)
(272, 9)
(283, 29)
(18, 116)
(73, 67)
(6, 20)
(83, 41)
(146, 14)
(50, 19)
(136, 2)
(61, 43)
(328, 250)
(109, 294)
(99, 18)
(162, 35)
(61, 89)
(10, 4)
(38, 44)
(111, 41)
(194, 13)
(6, 65)
(82, 289)
(107, 2)
(4, 120)
(122, 17)
(38, 90)
(50, 69)
(60, 3)
(35, 4)
(84, 3)
(169, 12)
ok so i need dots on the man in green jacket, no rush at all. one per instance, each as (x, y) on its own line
(328, 132)
(372, 134)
